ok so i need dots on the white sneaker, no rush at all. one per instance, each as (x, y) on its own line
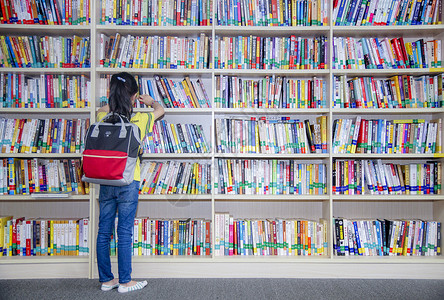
(138, 286)
(106, 288)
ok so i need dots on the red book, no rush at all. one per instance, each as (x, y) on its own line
(274, 239)
(207, 237)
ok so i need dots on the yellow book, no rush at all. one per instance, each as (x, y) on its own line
(176, 140)
(3, 222)
(303, 99)
(395, 81)
(77, 250)
(10, 237)
(390, 140)
(408, 121)
(14, 136)
(322, 121)
(406, 171)
(21, 48)
(51, 239)
(4, 49)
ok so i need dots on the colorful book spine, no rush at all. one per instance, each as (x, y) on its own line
(269, 237)
(45, 52)
(270, 177)
(355, 177)
(385, 237)
(297, 53)
(44, 236)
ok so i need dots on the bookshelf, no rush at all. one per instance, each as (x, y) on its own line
(311, 207)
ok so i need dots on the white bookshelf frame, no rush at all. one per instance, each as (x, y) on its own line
(229, 267)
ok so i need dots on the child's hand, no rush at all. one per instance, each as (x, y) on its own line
(146, 99)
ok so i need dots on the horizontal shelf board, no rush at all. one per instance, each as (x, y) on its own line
(409, 156)
(175, 197)
(277, 72)
(272, 258)
(395, 31)
(385, 72)
(271, 156)
(47, 110)
(289, 198)
(398, 198)
(384, 111)
(179, 111)
(28, 198)
(272, 30)
(41, 155)
(152, 72)
(153, 156)
(22, 29)
(271, 111)
(153, 30)
(389, 259)
(38, 71)
(168, 258)
(43, 259)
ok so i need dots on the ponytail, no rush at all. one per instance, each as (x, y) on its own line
(123, 86)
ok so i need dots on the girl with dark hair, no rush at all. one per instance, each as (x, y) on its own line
(124, 199)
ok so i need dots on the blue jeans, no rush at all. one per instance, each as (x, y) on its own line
(123, 199)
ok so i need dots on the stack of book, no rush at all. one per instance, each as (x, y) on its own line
(386, 12)
(270, 177)
(43, 12)
(42, 135)
(43, 236)
(35, 175)
(267, 237)
(385, 53)
(174, 177)
(257, 52)
(272, 13)
(157, 12)
(176, 138)
(387, 136)
(270, 92)
(155, 52)
(45, 91)
(381, 237)
(184, 237)
(44, 52)
(401, 91)
(355, 177)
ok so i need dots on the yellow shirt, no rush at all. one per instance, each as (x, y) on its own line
(141, 120)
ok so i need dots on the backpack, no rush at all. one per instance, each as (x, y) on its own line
(111, 151)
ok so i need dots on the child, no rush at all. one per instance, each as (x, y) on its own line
(124, 199)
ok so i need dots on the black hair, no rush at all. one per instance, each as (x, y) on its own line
(122, 87)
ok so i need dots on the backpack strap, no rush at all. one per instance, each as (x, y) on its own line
(95, 130)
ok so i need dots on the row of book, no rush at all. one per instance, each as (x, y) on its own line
(44, 52)
(176, 138)
(385, 53)
(386, 12)
(158, 52)
(175, 177)
(44, 12)
(271, 135)
(20, 236)
(35, 175)
(272, 13)
(42, 135)
(256, 52)
(270, 92)
(401, 91)
(178, 237)
(270, 177)
(383, 237)
(387, 136)
(157, 13)
(186, 93)
(357, 177)
(269, 237)
(45, 91)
